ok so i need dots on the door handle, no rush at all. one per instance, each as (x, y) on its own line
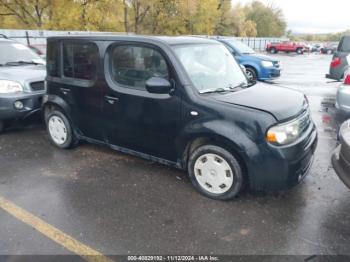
(111, 99)
(65, 91)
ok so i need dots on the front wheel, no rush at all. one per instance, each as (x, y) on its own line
(215, 172)
(251, 74)
(60, 130)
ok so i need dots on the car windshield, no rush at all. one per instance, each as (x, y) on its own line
(211, 67)
(15, 53)
(240, 47)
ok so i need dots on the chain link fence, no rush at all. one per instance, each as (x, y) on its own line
(38, 37)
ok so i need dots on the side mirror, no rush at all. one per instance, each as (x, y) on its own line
(158, 85)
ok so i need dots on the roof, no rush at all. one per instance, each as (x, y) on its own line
(170, 40)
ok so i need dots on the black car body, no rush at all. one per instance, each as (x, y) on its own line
(339, 62)
(341, 157)
(22, 75)
(168, 117)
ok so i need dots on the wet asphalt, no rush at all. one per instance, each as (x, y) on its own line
(118, 204)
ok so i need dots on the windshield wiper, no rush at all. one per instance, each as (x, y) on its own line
(23, 63)
(217, 90)
(241, 85)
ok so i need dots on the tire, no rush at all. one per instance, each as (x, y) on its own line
(1, 126)
(209, 162)
(329, 52)
(60, 130)
(299, 51)
(273, 50)
(251, 74)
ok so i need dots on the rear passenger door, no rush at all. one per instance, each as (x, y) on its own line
(80, 86)
(139, 120)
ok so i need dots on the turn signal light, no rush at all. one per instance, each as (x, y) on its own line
(271, 137)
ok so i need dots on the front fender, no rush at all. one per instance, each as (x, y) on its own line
(226, 133)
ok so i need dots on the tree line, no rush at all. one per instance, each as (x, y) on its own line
(158, 17)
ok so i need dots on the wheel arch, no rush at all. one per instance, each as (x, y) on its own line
(255, 68)
(50, 102)
(195, 141)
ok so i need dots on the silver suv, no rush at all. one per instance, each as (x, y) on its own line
(22, 75)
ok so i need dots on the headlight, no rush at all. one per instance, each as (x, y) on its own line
(266, 63)
(8, 87)
(284, 134)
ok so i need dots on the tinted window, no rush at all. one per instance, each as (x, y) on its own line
(53, 59)
(132, 66)
(80, 60)
(345, 47)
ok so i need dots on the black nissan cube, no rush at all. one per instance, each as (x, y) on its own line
(180, 101)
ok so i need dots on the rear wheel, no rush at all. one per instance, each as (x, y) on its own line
(60, 131)
(299, 51)
(215, 172)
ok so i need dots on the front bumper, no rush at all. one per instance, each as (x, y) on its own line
(274, 168)
(270, 73)
(341, 166)
(31, 104)
(341, 156)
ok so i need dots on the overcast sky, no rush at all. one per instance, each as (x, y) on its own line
(313, 16)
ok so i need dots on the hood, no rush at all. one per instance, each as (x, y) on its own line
(282, 103)
(261, 57)
(23, 74)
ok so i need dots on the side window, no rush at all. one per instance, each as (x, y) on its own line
(132, 66)
(53, 59)
(80, 60)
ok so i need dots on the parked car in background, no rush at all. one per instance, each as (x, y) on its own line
(316, 47)
(258, 66)
(343, 94)
(285, 46)
(329, 48)
(39, 49)
(341, 157)
(22, 74)
(181, 101)
(340, 62)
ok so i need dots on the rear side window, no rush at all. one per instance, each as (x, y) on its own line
(132, 66)
(80, 60)
(53, 59)
(345, 44)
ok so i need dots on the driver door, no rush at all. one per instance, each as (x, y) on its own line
(138, 120)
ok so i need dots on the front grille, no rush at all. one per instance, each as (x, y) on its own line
(276, 64)
(37, 86)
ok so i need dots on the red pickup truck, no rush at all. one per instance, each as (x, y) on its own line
(286, 46)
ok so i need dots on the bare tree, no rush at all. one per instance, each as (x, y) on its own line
(30, 13)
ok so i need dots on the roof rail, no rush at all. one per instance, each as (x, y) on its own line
(3, 36)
